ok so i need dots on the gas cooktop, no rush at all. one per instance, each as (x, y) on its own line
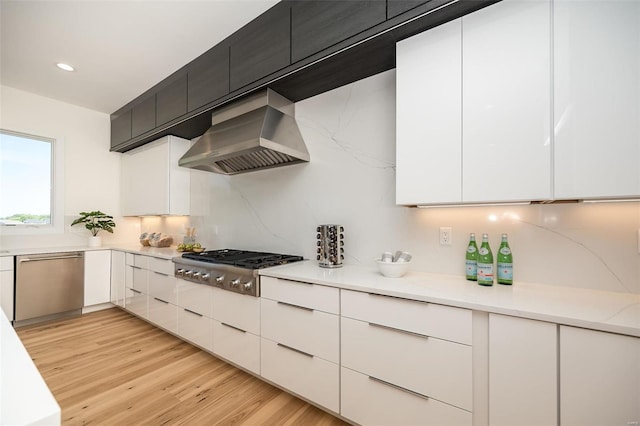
(242, 258)
(227, 269)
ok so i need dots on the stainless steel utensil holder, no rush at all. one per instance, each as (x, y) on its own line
(330, 246)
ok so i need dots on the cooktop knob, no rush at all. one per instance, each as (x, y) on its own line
(220, 280)
(196, 275)
(247, 286)
(188, 273)
(180, 272)
(235, 283)
(205, 277)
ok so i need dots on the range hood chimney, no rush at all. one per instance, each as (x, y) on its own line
(253, 133)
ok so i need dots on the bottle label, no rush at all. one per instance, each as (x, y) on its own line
(485, 273)
(472, 269)
(505, 250)
(505, 271)
(471, 249)
(483, 251)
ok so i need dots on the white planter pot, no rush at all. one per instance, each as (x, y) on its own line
(95, 241)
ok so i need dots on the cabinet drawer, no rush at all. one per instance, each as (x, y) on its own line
(430, 319)
(367, 401)
(162, 266)
(237, 310)
(310, 377)
(163, 314)
(130, 259)
(315, 332)
(238, 346)
(163, 286)
(308, 295)
(195, 297)
(141, 261)
(140, 279)
(6, 263)
(136, 302)
(195, 328)
(432, 367)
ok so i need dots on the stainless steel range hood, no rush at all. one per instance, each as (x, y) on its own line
(254, 133)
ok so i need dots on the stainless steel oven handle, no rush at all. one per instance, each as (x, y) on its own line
(77, 256)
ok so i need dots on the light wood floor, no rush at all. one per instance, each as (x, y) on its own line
(109, 367)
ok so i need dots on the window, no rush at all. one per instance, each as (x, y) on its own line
(26, 180)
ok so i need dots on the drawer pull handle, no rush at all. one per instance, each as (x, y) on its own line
(419, 395)
(410, 333)
(295, 350)
(135, 291)
(160, 300)
(136, 267)
(295, 306)
(235, 328)
(192, 312)
(160, 273)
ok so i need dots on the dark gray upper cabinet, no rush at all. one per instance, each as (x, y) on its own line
(171, 101)
(316, 25)
(261, 47)
(120, 128)
(143, 116)
(208, 77)
(396, 7)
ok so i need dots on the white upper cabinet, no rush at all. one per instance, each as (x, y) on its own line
(474, 108)
(428, 114)
(152, 182)
(597, 99)
(506, 102)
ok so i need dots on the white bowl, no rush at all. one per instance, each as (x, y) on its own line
(393, 269)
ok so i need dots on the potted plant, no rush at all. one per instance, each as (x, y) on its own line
(95, 222)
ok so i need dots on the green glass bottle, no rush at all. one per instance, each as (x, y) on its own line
(485, 262)
(505, 262)
(472, 259)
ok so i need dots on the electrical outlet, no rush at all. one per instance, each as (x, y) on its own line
(445, 235)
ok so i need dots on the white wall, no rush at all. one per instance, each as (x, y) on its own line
(91, 172)
(350, 134)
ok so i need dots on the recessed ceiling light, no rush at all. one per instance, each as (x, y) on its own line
(65, 67)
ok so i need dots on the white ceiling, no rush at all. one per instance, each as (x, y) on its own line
(118, 48)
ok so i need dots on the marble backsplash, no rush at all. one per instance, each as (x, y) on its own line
(350, 134)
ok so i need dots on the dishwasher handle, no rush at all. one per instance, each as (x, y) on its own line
(76, 256)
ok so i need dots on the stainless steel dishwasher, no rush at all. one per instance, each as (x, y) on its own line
(48, 286)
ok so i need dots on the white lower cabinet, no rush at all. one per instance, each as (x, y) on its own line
(195, 328)
(368, 401)
(195, 307)
(136, 302)
(599, 378)
(394, 368)
(237, 346)
(6, 286)
(300, 332)
(307, 375)
(118, 277)
(97, 277)
(236, 329)
(432, 367)
(163, 314)
(523, 372)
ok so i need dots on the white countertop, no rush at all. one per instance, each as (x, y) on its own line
(164, 252)
(25, 398)
(599, 310)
